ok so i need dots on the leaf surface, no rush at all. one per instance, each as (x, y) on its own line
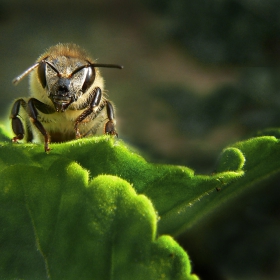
(62, 225)
(180, 197)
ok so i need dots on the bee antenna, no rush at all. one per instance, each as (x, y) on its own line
(107, 65)
(96, 65)
(25, 73)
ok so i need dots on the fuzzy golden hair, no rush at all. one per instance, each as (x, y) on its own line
(68, 50)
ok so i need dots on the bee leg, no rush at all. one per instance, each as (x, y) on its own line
(110, 125)
(94, 103)
(17, 125)
(33, 114)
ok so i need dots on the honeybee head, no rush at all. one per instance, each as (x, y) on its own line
(65, 78)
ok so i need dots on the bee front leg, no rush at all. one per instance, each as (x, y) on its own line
(93, 104)
(17, 125)
(110, 125)
(33, 114)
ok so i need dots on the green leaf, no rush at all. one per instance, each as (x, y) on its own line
(61, 225)
(179, 196)
(262, 156)
(4, 134)
(172, 189)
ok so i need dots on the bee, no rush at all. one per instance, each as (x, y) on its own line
(67, 99)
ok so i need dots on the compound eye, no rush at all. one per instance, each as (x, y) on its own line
(90, 77)
(42, 73)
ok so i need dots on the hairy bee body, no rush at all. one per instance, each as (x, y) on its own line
(60, 126)
(66, 101)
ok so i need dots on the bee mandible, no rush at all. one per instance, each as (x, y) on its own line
(67, 99)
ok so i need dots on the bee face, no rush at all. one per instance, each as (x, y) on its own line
(65, 79)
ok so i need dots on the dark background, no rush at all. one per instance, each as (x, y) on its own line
(199, 75)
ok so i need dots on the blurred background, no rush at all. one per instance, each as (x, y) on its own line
(199, 75)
